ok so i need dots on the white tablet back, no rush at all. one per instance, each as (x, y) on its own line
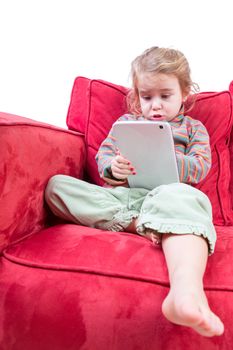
(149, 146)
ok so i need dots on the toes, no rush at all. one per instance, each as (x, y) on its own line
(191, 314)
(210, 326)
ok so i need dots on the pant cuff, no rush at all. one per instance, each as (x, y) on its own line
(119, 222)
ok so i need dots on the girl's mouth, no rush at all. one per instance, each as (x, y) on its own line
(157, 117)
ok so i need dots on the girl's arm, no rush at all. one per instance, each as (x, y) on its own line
(111, 163)
(195, 164)
(104, 157)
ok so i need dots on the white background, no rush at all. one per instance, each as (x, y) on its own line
(45, 44)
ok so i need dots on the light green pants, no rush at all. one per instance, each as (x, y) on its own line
(176, 208)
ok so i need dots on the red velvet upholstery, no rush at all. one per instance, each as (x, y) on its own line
(68, 287)
(31, 153)
(102, 103)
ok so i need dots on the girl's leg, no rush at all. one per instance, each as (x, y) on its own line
(186, 303)
(91, 205)
(182, 215)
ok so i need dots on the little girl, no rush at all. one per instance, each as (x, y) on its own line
(177, 216)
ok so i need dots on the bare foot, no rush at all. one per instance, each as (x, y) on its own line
(132, 226)
(192, 310)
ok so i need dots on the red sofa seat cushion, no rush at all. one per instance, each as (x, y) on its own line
(87, 288)
(96, 104)
(74, 248)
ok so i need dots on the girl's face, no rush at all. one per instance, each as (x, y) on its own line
(160, 96)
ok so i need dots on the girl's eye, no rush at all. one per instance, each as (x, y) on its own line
(165, 96)
(147, 98)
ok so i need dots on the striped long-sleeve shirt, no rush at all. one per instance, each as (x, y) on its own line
(192, 149)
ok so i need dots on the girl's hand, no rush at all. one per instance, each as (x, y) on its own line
(121, 167)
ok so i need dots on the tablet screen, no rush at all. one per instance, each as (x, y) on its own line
(149, 146)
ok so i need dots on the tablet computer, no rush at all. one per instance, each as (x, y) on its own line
(149, 146)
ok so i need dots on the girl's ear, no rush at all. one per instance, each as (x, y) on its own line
(185, 93)
(185, 96)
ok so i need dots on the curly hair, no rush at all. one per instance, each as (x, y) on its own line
(164, 61)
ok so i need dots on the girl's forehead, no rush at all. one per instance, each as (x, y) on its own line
(149, 81)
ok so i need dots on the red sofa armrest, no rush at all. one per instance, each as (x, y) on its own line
(30, 153)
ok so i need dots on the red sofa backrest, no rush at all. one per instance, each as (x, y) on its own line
(214, 109)
(96, 104)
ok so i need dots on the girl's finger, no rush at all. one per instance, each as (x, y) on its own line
(121, 174)
(120, 166)
(122, 171)
(121, 159)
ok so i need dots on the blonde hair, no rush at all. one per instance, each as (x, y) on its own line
(159, 60)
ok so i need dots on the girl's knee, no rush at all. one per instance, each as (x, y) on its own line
(53, 186)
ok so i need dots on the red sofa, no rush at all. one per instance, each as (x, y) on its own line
(69, 287)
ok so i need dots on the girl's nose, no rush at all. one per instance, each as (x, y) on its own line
(156, 104)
